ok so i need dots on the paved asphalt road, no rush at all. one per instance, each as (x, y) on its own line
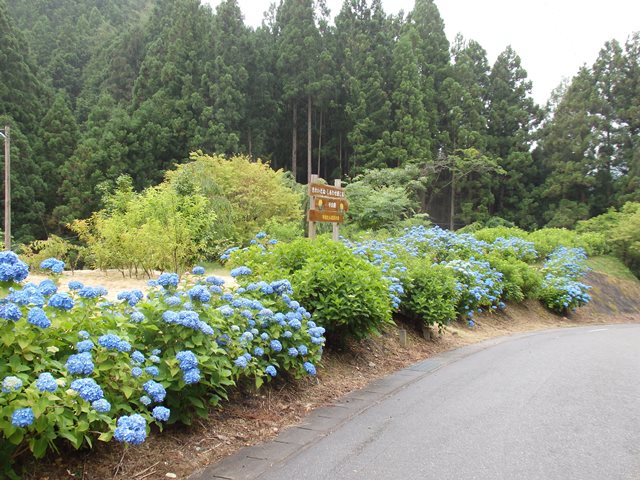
(559, 405)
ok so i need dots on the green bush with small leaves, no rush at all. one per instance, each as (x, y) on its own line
(346, 294)
(430, 293)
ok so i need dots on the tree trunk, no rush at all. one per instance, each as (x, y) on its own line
(294, 143)
(453, 200)
(340, 154)
(309, 160)
(320, 143)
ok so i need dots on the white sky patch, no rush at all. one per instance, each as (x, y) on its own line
(554, 38)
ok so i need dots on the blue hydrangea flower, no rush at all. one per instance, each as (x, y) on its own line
(136, 372)
(295, 324)
(131, 429)
(155, 390)
(101, 406)
(132, 297)
(198, 270)
(271, 370)
(246, 337)
(75, 285)
(80, 364)
(92, 292)
(83, 335)
(29, 295)
(123, 346)
(226, 310)
(241, 362)
(38, 317)
(276, 346)
(61, 301)
(156, 351)
(154, 359)
(287, 334)
(47, 287)
(87, 388)
(170, 317)
(12, 269)
(309, 368)
(136, 317)
(23, 417)
(292, 352)
(217, 281)
(145, 400)
(191, 376)
(153, 371)
(84, 346)
(303, 350)
(237, 272)
(11, 384)
(168, 280)
(46, 382)
(109, 341)
(258, 352)
(205, 328)
(173, 301)
(227, 297)
(137, 357)
(187, 360)
(53, 264)
(10, 311)
(200, 292)
(161, 413)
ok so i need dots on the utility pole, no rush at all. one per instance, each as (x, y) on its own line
(7, 187)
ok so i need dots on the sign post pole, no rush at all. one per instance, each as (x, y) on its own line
(312, 206)
(336, 226)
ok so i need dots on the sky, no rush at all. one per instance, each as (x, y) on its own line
(553, 38)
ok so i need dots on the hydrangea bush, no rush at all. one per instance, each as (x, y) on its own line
(346, 294)
(561, 291)
(76, 366)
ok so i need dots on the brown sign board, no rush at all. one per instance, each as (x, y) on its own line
(331, 205)
(326, 191)
(325, 216)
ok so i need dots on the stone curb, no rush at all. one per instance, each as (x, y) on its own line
(250, 463)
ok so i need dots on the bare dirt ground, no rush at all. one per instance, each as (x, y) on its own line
(249, 418)
(114, 280)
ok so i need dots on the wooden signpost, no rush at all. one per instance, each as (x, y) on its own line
(328, 204)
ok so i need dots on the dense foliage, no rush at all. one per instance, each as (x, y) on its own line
(94, 90)
(346, 294)
(75, 366)
(429, 275)
(621, 228)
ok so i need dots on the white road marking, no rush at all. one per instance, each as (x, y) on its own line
(599, 330)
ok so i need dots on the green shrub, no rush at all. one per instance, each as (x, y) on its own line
(346, 294)
(284, 231)
(547, 240)
(520, 280)
(620, 229)
(373, 208)
(158, 229)
(245, 195)
(489, 235)
(53, 247)
(430, 293)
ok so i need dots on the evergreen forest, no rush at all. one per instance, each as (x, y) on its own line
(96, 89)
